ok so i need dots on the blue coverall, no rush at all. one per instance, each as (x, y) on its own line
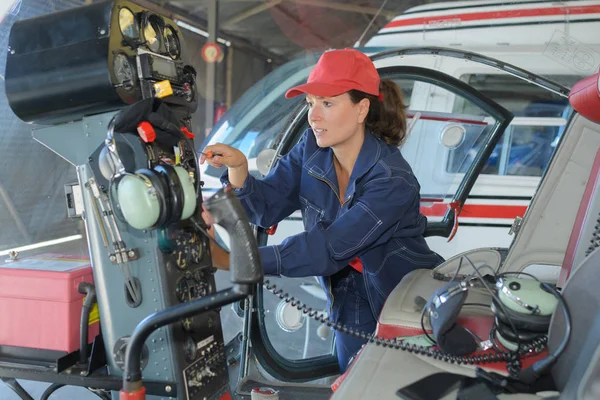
(378, 221)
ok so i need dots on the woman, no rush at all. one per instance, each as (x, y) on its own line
(358, 196)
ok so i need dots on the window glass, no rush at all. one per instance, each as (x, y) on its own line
(540, 118)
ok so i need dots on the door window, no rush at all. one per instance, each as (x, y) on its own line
(540, 119)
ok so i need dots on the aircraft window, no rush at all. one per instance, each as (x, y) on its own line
(540, 118)
(519, 97)
(260, 133)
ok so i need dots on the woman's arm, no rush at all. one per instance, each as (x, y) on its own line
(220, 257)
(386, 205)
(269, 200)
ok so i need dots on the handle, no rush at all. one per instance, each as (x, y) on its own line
(228, 212)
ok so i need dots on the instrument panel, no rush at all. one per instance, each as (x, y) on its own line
(95, 59)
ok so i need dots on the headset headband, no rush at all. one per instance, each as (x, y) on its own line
(111, 145)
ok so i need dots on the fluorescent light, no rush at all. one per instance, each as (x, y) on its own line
(42, 244)
(200, 32)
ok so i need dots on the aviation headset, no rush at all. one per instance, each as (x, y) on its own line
(527, 305)
(522, 304)
(523, 309)
(150, 198)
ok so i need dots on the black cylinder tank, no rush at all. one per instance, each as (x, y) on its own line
(61, 66)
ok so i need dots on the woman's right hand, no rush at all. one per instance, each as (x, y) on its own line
(227, 156)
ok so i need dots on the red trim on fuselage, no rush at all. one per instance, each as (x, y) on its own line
(495, 15)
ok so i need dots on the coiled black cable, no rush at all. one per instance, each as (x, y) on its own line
(511, 358)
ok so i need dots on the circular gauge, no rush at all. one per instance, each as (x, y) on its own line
(190, 349)
(183, 289)
(150, 31)
(183, 255)
(128, 24)
(188, 249)
(197, 249)
(204, 286)
(124, 71)
(172, 44)
(189, 288)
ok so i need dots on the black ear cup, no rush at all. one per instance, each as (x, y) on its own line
(457, 341)
(162, 193)
(444, 307)
(175, 191)
(523, 336)
(529, 322)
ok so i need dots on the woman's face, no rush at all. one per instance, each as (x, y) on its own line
(335, 120)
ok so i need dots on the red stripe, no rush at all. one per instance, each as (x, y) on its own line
(530, 12)
(431, 200)
(480, 325)
(476, 211)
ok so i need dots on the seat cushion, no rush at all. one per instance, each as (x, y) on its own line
(379, 372)
(402, 317)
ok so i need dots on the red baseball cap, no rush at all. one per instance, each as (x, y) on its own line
(339, 71)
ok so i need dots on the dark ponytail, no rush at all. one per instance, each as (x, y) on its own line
(387, 118)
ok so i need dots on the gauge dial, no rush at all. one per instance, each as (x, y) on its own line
(151, 35)
(189, 288)
(197, 248)
(124, 71)
(191, 350)
(128, 24)
(172, 44)
(183, 256)
(189, 248)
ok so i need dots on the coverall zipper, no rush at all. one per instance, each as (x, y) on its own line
(341, 204)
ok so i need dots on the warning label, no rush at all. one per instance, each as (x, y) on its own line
(94, 314)
(572, 54)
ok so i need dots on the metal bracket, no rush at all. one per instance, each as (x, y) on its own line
(124, 256)
(516, 225)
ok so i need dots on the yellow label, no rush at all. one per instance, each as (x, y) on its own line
(94, 314)
(163, 89)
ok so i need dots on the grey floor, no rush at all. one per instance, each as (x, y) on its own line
(36, 389)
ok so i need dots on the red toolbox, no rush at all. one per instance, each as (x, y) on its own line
(40, 306)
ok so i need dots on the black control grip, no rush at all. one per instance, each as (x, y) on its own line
(244, 260)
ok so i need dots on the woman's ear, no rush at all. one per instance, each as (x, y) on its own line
(363, 110)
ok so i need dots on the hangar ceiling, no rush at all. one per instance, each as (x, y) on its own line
(284, 29)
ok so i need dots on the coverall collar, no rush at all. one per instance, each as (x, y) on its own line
(321, 165)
